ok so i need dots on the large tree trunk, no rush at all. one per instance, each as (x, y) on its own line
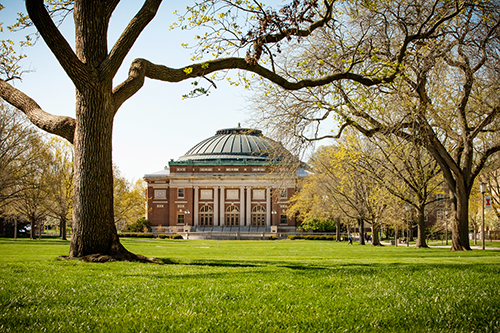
(361, 224)
(375, 234)
(460, 223)
(62, 228)
(475, 234)
(337, 229)
(94, 230)
(396, 236)
(94, 233)
(32, 224)
(421, 228)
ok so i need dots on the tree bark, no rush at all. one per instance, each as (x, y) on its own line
(421, 228)
(62, 228)
(361, 224)
(32, 231)
(375, 234)
(94, 229)
(460, 222)
(337, 229)
(475, 235)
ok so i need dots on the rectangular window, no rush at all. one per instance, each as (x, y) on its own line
(283, 219)
(283, 193)
(440, 198)
(180, 218)
(180, 193)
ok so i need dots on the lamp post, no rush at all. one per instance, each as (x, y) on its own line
(187, 212)
(482, 188)
(274, 213)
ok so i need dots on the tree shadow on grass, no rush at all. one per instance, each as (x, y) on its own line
(214, 263)
(43, 242)
(240, 264)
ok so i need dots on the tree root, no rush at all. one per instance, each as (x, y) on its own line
(460, 248)
(127, 257)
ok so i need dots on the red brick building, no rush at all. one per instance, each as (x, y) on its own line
(224, 184)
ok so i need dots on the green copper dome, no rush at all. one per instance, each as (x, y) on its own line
(236, 144)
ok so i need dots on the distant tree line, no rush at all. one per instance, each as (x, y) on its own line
(36, 181)
(389, 183)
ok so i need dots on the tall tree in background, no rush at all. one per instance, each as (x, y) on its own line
(59, 182)
(129, 199)
(492, 178)
(405, 170)
(33, 194)
(92, 67)
(446, 98)
(350, 190)
(16, 138)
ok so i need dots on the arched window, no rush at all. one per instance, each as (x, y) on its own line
(258, 216)
(206, 216)
(232, 216)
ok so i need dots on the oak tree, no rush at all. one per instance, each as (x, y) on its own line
(58, 178)
(444, 95)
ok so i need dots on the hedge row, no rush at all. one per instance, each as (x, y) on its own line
(135, 234)
(175, 236)
(312, 237)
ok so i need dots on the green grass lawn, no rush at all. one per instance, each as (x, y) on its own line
(250, 286)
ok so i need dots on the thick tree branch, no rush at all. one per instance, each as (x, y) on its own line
(141, 68)
(486, 121)
(59, 125)
(482, 161)
(127, 39)
(73, 67)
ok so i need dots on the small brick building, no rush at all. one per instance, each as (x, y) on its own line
(224, 183)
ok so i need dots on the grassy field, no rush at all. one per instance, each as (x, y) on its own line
(250, 286)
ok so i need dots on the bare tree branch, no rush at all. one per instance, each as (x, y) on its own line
(128, 37)
(73, 67)
(59, 125)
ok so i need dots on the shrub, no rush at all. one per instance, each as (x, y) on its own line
(273, 237)
(174, 236)
(141, 225)
(318, 225)
(135, 234)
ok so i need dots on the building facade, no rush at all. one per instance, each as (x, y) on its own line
(226, 184)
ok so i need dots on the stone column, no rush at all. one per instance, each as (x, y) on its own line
(268, 206)
(196, 206)
(222, 204)
(249, 205)
(242, 205)
(216, 206)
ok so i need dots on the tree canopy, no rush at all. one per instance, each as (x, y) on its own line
(442, 95)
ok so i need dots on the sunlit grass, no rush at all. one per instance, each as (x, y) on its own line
(250, 286)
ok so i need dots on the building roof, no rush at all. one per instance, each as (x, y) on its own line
(233, 144)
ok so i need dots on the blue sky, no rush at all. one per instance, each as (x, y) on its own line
(155, 125)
